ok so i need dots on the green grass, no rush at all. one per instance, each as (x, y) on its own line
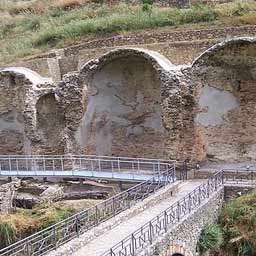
(37, 28)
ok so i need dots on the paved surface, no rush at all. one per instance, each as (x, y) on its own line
(109, 175)
(105, 241)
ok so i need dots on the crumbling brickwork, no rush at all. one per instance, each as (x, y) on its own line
(135, 102)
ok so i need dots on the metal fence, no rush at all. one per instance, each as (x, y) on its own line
(18, 164)
(58, 234)
(240, 176)
(145, 235)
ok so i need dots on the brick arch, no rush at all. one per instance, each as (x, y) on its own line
(177, 248)
(158, 61)
(124, 109)
(224, 78)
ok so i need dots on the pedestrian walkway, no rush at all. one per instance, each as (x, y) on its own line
(107, 239)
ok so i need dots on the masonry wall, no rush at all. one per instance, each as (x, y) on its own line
(179, 46)
(225, 119)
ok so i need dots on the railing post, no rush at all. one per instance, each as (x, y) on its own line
(17, 165)
(150, 232)
(99, 165)
(96, 214)
(208, 188)
(133, 247)
(189, 203)
(199, 195)
(178, 211)
(165, 221)
(77, 226)
(10, 164)
(44, 163)
(118, 163)
(62, 163)
(114, 210)
(80, 164)
(54, 237)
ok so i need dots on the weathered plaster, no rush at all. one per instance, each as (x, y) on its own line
(215, 105)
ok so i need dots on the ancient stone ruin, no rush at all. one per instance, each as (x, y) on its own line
(135, 102)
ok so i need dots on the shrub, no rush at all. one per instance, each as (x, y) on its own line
(211, 238)
(238, 221)
(240, 9)
(198, 13)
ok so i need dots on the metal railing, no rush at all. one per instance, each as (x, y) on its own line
(240, 176)
(145, 235)
(18, 164)
(60, 233)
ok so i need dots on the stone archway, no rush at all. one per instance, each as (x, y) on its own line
(177, 248)
(124, 112)
(17, 108)
(226, 108)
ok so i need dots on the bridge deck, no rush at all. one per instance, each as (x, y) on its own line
(99, 167)
(108, 239)
(123, 175)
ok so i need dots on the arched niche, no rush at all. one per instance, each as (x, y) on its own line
(226, 92)
(124, 112)
(50, 124)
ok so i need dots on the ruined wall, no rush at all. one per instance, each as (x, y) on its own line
(50, 124)
(30, 122)
(180, 46)
(12, 135)
(124, 113)
(226, 93)
(134, 102)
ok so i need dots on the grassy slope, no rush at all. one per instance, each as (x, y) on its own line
(33, 27)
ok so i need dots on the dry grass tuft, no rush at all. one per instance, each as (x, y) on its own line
(68, 4)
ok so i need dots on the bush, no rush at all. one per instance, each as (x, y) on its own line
(238, 221)
(240, 9)
(198, 13)
(211, 238)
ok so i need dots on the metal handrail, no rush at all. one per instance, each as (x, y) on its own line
(14, 163)
(146, 234)
(159, 225)
(69, 228)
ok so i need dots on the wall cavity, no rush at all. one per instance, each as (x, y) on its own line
(50, 124)
(124, 115)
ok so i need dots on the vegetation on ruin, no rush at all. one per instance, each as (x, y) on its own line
(237, 226)
(211, 238)
(22, 223)
(35, 26)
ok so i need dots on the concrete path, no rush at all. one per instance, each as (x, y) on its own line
(105, 241)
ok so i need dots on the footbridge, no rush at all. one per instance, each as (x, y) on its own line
(82, 166)
(138, 221)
